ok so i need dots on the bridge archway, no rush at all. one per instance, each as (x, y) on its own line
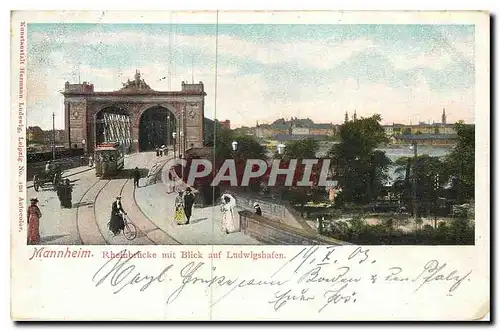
(113, 124)
(155, 128)
(83, 107)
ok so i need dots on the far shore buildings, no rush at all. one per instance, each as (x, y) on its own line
(293, 129)
(441, 133)
(37, 136)
(226, 124)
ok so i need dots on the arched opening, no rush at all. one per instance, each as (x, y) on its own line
(113, 125)
(155, 128)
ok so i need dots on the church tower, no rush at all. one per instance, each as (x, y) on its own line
(443, 117)
(354, 117)
(346, 119)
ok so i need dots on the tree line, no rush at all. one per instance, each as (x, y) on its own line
(361, 169)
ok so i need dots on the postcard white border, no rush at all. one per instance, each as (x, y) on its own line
(476, 257)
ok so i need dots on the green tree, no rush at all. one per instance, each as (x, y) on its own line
(299, 150)
(460, 163)
(220, 141)
(430, 177)
(360, 168)
(402, 186)
(248, 148)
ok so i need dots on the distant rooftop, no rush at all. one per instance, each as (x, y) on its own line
(290, 137)
(426, 136)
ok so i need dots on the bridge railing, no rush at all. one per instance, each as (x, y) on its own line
(272, 232)
(65, 164)
(280, 211)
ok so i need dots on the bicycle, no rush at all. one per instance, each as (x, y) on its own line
(129, 230)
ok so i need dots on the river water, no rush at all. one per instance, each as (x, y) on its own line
(393, 153)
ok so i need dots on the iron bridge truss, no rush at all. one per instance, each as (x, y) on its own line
(115, 128)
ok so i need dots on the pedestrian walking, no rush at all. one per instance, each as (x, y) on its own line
(91, 161)
(179, 209)
(137, 176)
(61, 192)
(34, 215)
(188, 204)
(68, 190)
(170, 184)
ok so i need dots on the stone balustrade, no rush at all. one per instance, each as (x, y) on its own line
(272, 232)
(280, 211)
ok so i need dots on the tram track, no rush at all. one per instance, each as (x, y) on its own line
(92, 215)
(86, 223)
(96, 219)
(86, 232)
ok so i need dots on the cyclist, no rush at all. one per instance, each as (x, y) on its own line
(116, 224)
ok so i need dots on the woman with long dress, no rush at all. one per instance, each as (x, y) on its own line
(228, 205)
(34, 215)
(116, 223)
(179, 209)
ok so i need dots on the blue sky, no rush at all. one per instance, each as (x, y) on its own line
(404, 72)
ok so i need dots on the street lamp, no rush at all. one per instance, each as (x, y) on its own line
(82, 158)
(436, 188)
(53, 136)
(235, 145)
(168, 130)
(181, 134)
(414, 148)
(174, 134)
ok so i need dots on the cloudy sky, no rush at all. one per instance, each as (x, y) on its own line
(403, 72)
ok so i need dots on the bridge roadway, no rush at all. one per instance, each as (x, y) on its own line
(149, 207)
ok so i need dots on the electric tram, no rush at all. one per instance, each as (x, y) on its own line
(109, 159)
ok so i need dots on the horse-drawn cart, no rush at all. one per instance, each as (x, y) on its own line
(53, 176)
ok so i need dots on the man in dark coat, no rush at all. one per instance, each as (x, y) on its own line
(68, 190)
(116, 224)
(137, 176)
(61, 192)
(188, 203)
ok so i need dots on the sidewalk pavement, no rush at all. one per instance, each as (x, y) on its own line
(205, 225)
(58, 225)
(157, 204)
(147, 232)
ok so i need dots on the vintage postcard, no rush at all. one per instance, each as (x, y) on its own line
(223, 165)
